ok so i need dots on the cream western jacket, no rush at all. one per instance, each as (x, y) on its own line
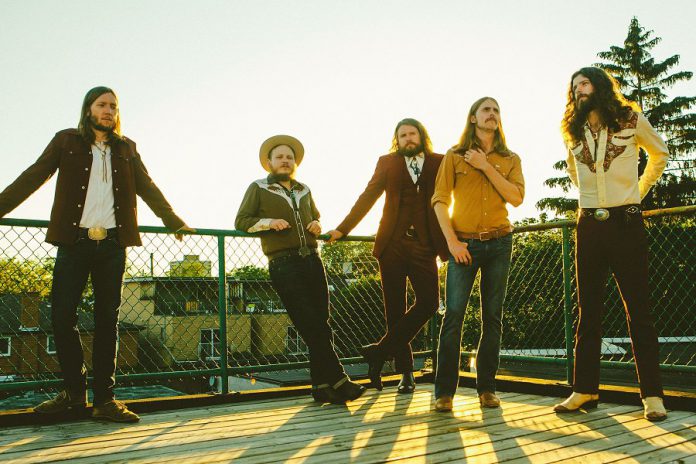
(606, 170)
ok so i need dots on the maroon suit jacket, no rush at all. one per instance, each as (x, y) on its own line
(387, 178)
(70, 155)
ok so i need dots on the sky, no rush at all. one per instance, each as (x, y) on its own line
(202, 84)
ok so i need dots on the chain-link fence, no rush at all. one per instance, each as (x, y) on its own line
(202, 313)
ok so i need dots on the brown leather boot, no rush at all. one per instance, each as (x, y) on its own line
(489, 400)
(114, 411)
(62, 402)
(443, 404)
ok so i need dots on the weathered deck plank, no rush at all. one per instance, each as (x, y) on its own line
(377, 427)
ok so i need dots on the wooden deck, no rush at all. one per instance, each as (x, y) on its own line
(378, 427)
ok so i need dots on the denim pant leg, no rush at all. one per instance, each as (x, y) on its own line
(495, 268)
(69, 280)
(107, 276)
(460, 281)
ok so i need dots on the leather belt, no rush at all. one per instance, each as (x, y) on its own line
(302, 251)
(486, 235)
(602, 214)
(96, 233)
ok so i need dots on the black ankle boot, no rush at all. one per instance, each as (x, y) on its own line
(327, 395)
(349, 390)
(407, 384)
(375, 362)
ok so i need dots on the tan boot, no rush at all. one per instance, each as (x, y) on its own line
(114, 411)
(62, 402)
(654, 409)
(577, 401)
(443, 404)
(489, 400)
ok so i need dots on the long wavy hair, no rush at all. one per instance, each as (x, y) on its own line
(610, 103)
(85, 126)
(424, 137)
(469, 141)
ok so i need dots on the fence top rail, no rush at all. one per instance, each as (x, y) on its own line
(555, 224)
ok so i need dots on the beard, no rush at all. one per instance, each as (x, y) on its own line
(585, 106)
(410, 152)
(282, 176)
(100, 127)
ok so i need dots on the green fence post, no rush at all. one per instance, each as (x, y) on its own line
(222, 310)
(568, 304)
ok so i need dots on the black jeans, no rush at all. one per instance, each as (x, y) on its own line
(105, 262)
(301, 285)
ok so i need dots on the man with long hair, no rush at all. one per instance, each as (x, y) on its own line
(603, 133)
(93, 220)
(407, 244)
(482, 175)
(283, 212)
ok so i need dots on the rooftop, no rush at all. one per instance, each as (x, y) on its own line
(380, 426)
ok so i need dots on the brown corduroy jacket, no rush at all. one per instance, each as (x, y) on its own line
(71, 156)
(387, 178)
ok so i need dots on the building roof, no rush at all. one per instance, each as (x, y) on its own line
(11, 309)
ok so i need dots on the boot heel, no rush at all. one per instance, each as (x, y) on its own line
(590, 405)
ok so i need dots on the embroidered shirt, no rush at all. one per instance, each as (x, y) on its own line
(605, 170)
(265, 201)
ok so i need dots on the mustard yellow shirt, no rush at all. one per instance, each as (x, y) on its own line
(478, 207)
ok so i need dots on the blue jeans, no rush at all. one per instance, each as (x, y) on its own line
(492, 257)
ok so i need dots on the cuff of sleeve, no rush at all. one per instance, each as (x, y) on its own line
(261, 225)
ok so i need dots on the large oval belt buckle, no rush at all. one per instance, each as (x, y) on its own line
(601, 214)
(96, 233)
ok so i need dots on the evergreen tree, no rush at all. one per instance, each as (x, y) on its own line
(644, 79)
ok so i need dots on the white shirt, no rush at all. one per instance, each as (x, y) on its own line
(612, 180)
(420, 159)
(99, 203)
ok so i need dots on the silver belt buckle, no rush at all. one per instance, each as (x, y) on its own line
(601, 214)
(485, 235)
(96, 233)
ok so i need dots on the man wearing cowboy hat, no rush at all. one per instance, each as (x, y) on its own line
(283, 212)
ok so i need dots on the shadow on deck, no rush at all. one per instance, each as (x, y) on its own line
(287, 426)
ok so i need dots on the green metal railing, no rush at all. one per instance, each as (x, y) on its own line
(205, 307)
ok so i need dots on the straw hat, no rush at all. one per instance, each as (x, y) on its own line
(276, 140)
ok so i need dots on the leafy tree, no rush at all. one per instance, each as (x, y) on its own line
(349, 259)
(250, 273)
(644, 79)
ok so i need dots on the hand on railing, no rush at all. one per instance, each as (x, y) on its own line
(179, 236)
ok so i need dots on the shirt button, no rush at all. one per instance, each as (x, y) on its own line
(74, 223)
(83, 187)
(119, 225)
(86, 169)
(116, 189)
(117, 207)
(115, 170)
(79, 206)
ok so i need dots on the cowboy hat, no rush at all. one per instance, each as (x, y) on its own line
(275, 141)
